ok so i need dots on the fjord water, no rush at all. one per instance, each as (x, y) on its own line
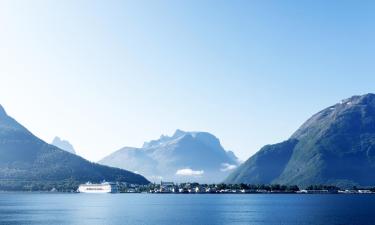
(153, 209)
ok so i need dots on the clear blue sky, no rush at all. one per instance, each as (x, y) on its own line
(108, 74)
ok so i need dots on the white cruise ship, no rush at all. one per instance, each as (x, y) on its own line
(104, 187)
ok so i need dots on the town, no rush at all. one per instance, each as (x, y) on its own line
(196, 188)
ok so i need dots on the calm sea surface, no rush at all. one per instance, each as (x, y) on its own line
(168, 209)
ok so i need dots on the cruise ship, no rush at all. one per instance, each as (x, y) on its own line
(104, 187)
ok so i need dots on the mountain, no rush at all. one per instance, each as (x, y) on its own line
(336, 146)
(182, 157)
(63, 144)
(26, 160)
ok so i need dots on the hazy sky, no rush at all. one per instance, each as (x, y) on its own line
(108, 74)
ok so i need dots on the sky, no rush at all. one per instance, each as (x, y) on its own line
(109, 74)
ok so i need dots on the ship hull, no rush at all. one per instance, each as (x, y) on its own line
(98, 188)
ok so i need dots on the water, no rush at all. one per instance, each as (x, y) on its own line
(153, 209)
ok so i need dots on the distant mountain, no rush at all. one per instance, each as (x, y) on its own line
(335, 146)
(26, 159)
(183, 157)
(63, 144)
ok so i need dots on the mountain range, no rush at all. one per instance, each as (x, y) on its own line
(182, 157)
(336, 146)
(25, 160)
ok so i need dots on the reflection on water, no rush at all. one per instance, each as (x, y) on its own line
(144, 209)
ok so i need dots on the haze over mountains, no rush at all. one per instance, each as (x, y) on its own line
(63, 144)
(182, 157)
(336, 146)
(25, 159)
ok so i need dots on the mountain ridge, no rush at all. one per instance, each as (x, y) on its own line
(334, 146)
(25, 159)
(167, 156)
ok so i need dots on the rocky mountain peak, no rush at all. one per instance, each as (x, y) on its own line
(2, 111)
(63, 144)
(335, 146)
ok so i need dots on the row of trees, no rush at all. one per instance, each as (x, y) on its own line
(271, 187)
(32, 185)
(324, 187)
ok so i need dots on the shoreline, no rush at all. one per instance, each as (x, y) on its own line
(167, 193)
